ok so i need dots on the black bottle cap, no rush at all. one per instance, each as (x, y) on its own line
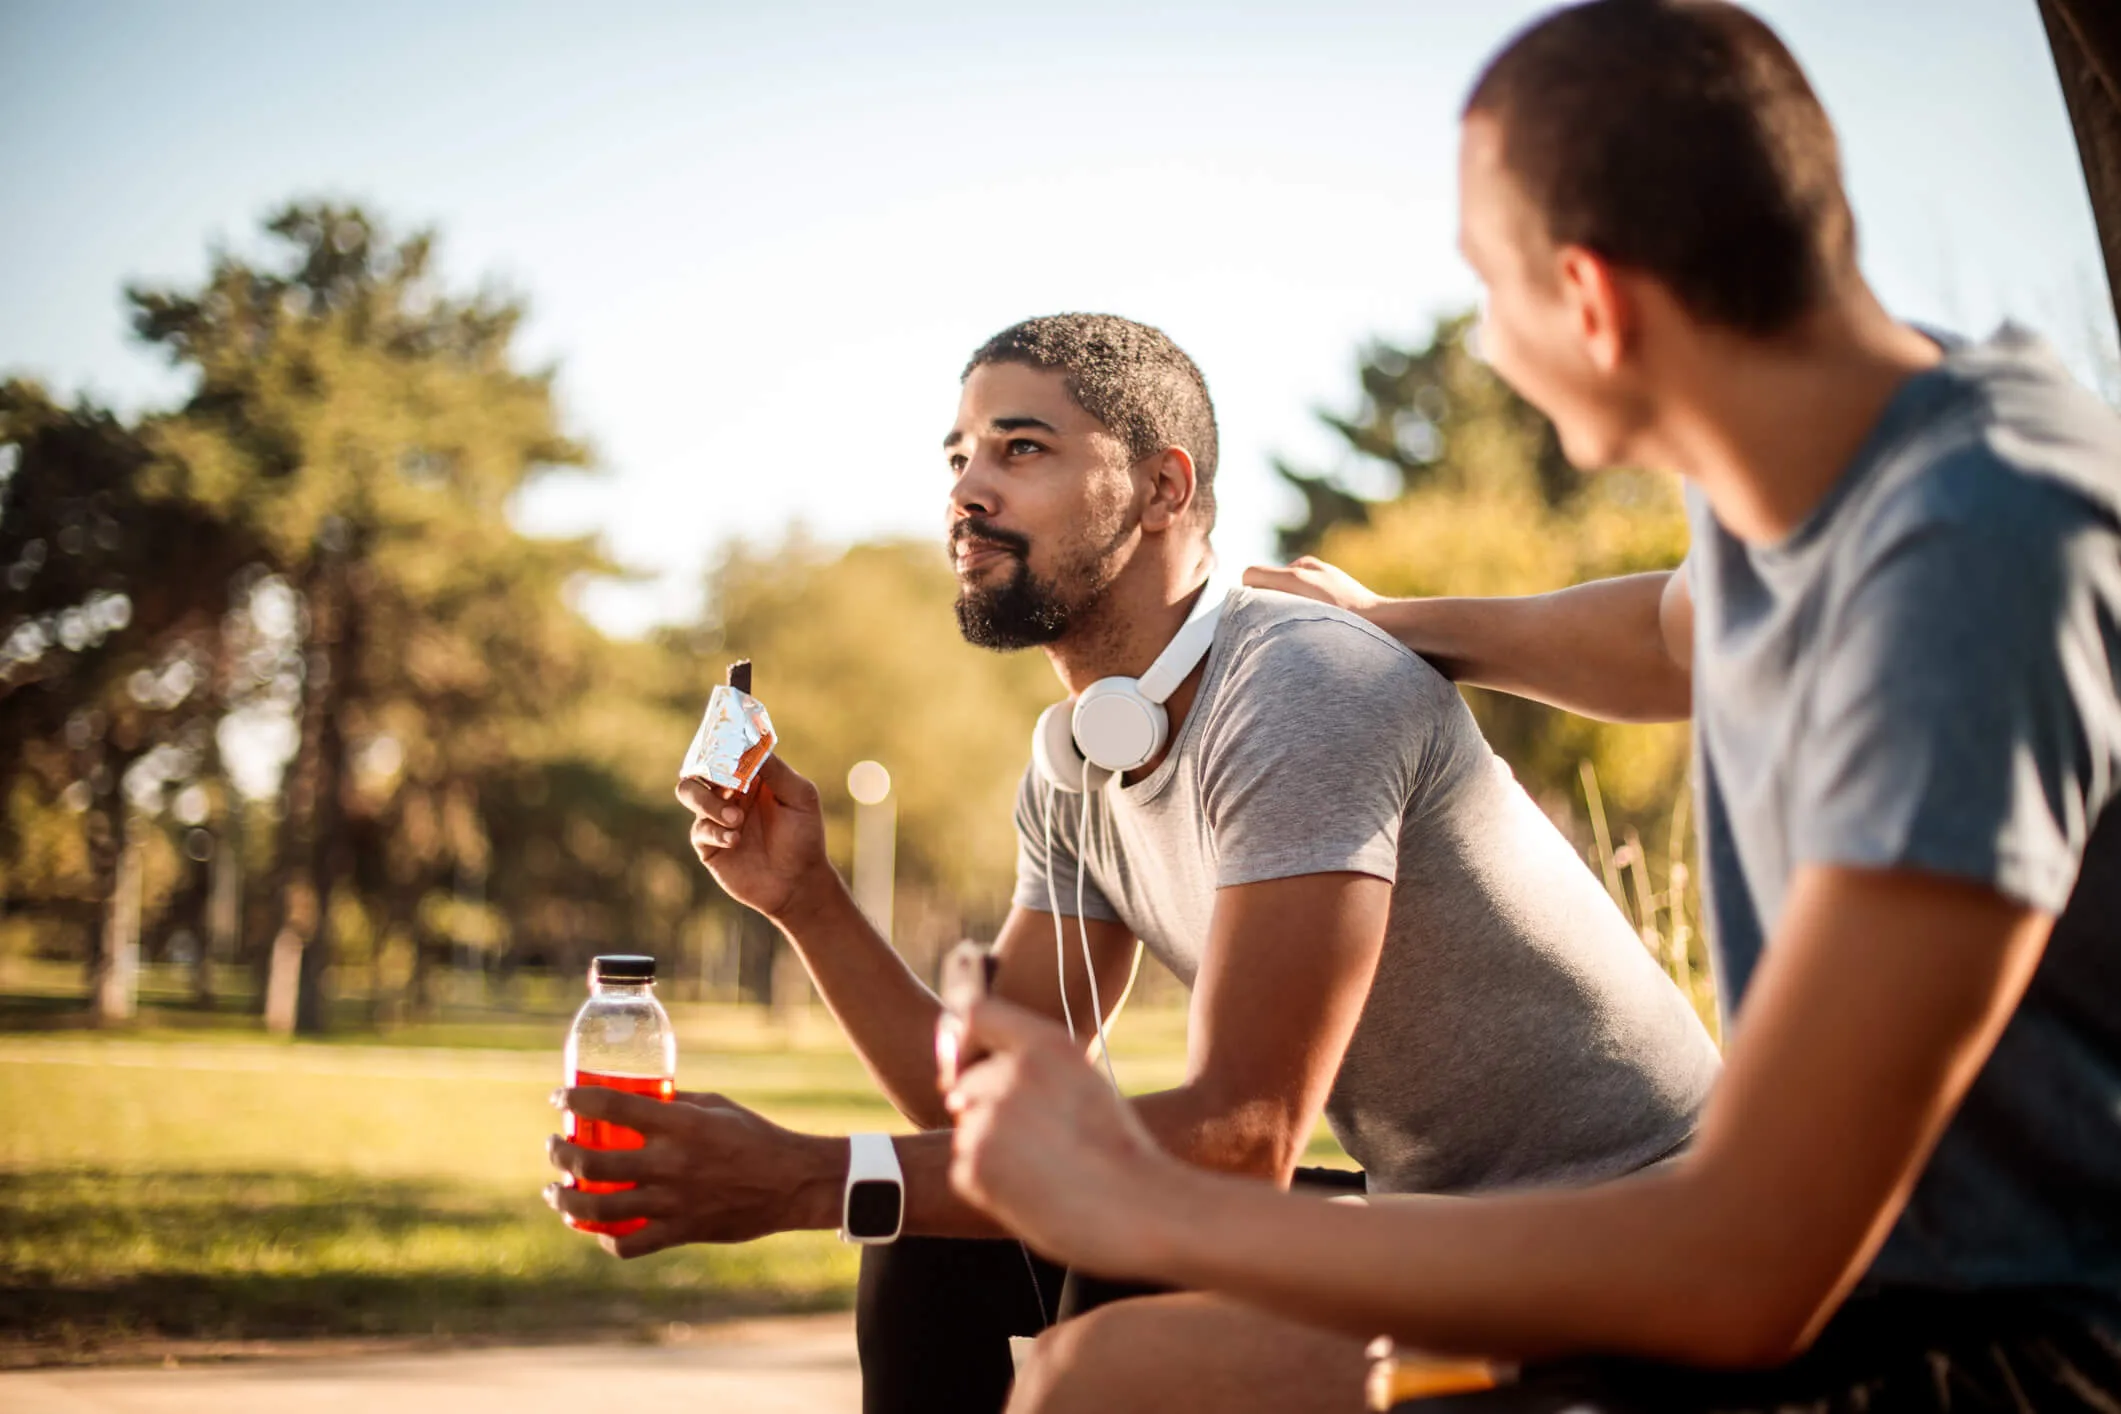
(622, 967)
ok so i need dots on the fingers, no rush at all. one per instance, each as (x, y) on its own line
(1268, 577)
(639, 1243)
(636, 1112)
(598, 1165)
(789, 786)
(984, 1085)
(1299, 576)
(707, 802)
(709, 839)
(579, 1205)
(996, 1025)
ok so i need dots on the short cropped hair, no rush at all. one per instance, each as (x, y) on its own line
(1679, 138)
(1128, 376)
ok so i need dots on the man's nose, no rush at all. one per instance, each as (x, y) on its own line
(975, 492)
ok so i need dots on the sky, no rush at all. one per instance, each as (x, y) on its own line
(758, 241)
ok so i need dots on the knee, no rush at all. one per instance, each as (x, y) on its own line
(1080, 1366)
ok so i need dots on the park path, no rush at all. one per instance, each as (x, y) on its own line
(786, 1365)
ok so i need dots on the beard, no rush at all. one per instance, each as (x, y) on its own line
(1025, 610)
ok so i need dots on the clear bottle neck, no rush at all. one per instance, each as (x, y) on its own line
(622, 991)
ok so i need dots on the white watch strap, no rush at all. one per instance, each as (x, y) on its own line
(871, 1158)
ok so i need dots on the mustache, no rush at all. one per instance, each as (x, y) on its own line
(987, 534)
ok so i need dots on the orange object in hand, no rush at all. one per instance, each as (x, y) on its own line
(603, 1134)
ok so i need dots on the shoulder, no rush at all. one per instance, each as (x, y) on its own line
(2017, 455)
(1300, 644)
(1978, 508)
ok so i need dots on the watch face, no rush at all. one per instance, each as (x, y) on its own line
(872, 1209)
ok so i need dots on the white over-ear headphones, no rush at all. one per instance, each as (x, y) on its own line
(1118, 723)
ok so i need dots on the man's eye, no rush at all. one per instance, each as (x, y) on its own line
(957, 462)
(1023, 447)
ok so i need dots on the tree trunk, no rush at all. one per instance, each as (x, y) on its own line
(2085, 36)
(312, 854)
(756, 942)
(117, 996)
(107, 839)
(222, 938)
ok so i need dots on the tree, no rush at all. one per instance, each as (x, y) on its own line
(112, 602)
(367, 431)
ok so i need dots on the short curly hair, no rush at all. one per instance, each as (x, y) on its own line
(1128, 376)
(1680, 138)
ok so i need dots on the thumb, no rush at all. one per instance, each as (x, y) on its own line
(789, 786)
(1267, 576)
(994, 1025)
(1289, 579)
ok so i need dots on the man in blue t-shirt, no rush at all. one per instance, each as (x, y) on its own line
(1899, 638)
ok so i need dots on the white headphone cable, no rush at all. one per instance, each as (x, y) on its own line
(1082, 933)
(1060, 936)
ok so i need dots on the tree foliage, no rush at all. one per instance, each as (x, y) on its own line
(309, 563)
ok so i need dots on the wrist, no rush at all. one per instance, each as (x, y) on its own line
(1424, 626)
(817, 892)
(815, 1198)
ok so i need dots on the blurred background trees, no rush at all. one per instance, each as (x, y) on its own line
(285, 697)
(284, 692)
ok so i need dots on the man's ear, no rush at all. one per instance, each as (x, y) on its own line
(1603, 307)
(1171, 487)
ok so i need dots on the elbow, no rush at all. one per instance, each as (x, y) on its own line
(1747, 1344)
(1740, 1278)
(1752, 1326)
(1663, 692)
(1259, 1139)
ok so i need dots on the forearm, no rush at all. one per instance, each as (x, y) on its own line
(1640, 1267)
(885, 1010)
(1597, 649)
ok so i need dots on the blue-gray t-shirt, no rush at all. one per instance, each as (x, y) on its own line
(1924, 675)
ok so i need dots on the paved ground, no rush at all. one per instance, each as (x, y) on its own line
(797, 1365)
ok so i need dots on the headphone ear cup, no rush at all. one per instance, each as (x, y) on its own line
(1115, 727)
(1053, 749)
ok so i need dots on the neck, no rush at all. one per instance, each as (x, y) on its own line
(1139, 614)
(1136, 619)
(1767, 428)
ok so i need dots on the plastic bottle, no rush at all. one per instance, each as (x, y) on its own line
(621, 1039)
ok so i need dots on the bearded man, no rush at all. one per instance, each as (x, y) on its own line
(1372, 917)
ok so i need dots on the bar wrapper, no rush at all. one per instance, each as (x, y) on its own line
(734, 740)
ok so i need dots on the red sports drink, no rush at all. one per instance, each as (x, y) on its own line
(621, 1040)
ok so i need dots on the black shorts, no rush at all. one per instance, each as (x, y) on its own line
(1884, 1352)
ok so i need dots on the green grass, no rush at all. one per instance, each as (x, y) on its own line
(237, 1191)
(210, 1183)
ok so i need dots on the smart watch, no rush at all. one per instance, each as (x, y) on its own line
(874, 1204)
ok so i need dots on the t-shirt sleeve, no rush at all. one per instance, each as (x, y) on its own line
(1046, 823)
(1313, 751)
(1960, 722)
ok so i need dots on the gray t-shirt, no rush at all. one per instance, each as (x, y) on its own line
(1517, 1031)
(1923, 676)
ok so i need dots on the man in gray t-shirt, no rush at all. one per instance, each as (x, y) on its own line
(1372, 918)
(1517, 1030)
(1941, 635)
